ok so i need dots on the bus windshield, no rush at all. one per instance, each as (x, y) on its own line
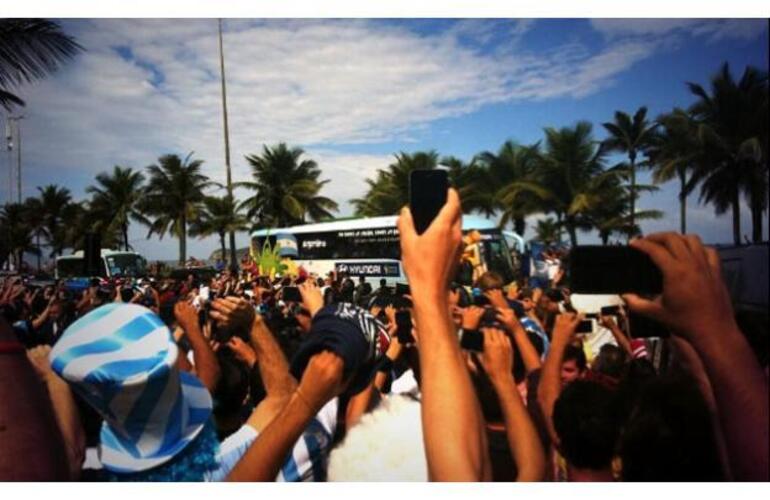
(125, 265)
(498, 258)
(72, 267)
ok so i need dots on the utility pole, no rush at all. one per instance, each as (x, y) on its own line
(233, 263)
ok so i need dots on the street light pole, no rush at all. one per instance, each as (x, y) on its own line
(233, 264)
(16, 119)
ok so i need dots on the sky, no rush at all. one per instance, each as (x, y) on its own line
(354, 92)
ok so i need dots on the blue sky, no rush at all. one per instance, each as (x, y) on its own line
(353, 92)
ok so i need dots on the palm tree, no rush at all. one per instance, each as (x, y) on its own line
(115, 201)
(35, 218)
(55, 202)
(286, 189)
(466, 178)
(733, 134)
(631, 136)
(548, 231)
(30, 49)
(16, 234)
(673, 154)
(173, 197)
(569, 180)
(512, 163)
(612, 214)
(389, 191)
(219, 216)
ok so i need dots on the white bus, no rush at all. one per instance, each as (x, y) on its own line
(114, 263)
(370, 247)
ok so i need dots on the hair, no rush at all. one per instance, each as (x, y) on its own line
(669, 435)
(526, 293)
(490, 280)
(573, 352)
(383, 282)
(385, 445)
(610, 361)
(190, 464)
(233, 385)
(585, 422)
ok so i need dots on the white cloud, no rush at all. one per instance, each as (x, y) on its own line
(317, 84)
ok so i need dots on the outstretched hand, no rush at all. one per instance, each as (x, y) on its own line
(233, 313)
(312, 300)
(497, 356)
(694, 297)
(430, 258)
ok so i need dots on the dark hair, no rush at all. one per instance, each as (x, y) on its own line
(573, 352)
(610, 361)
(233, 385)
(525, 293)
(669, 435)
(585, 422)
(554, 294)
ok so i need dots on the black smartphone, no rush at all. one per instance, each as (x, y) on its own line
(291, 294)
(613, 270)
(404, 327)
(402, 289)
(472, 340)
(585, 326)
(610, 310)
(427, 194)
(480, 301)
(641, 327)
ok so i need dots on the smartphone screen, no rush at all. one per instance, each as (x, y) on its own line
(404, 327)
(613, 270)
(610, 310)
(585, 326)
(427, 194)
(641, 327)
(472, 340)
(291, 294)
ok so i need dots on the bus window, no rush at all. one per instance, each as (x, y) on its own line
(125, 265)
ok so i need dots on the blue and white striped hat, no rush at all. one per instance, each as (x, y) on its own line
(122, 360)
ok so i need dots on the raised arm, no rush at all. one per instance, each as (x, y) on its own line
(695, 305)
(550, 381)
(206, 364)
(64, 408)
(620, 337)
(497, 361)
(321, 382)
(529, 354)
(453, 429)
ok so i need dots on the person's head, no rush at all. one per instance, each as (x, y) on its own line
(171, 407)
(525, 297)
(573, 364)
(362, 279)
(383, 282)
(611, 361)
(668, 435)
(490, 280)
(231, 390)
(584, 420)
(56, 310)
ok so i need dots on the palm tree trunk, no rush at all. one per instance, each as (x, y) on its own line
(558, 226)
(519, 225)
(736, 217)
(682, 200)
(182, 240)
(572, 233)
(37, 241)
(756, 223)
(224, 249)
(633, 197)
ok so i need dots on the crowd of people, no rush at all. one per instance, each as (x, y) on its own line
(329, 378)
